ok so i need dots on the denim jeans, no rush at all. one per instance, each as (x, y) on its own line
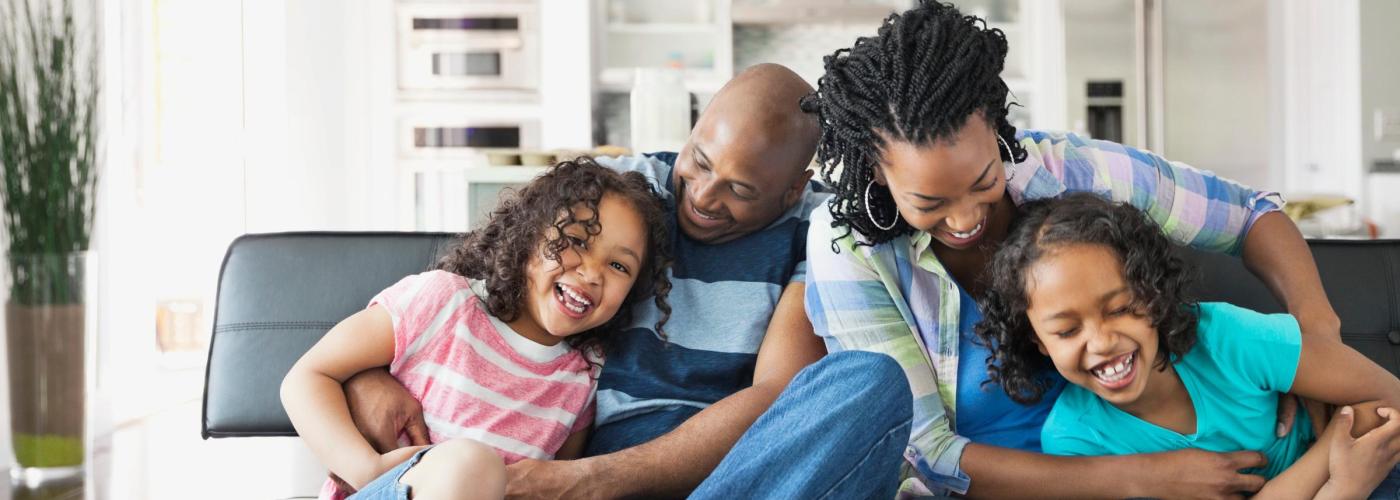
(386, 486)
(1389, 489)
(838, 431)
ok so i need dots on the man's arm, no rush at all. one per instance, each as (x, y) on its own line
(675, 463)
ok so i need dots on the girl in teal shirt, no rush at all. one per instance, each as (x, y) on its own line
(1094, 289)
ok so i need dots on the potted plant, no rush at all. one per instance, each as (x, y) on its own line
(48, 185)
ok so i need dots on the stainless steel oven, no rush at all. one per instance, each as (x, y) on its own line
(445, 136)
(468, 46)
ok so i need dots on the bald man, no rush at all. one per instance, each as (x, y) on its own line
(708, 408)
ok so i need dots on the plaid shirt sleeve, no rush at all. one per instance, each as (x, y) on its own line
(850, 303)
(1194, 207)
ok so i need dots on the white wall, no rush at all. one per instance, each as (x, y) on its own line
(1380, 72)
(1099, 38)
(1380, 88)
(226, 118)
(1217, 88)
(316, 114)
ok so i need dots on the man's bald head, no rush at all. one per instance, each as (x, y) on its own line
(746, 160)
(761, 103)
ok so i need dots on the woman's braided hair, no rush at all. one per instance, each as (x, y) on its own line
(918, 80)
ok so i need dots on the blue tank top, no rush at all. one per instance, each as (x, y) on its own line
(986, 415)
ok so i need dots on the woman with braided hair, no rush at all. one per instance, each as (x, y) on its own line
(927, 175)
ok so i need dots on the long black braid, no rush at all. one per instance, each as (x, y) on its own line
(918, 80)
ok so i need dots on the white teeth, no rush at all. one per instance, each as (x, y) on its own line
(577, 298)
(969, 234)
(703, 216)
(572, 300)
(1117, 371)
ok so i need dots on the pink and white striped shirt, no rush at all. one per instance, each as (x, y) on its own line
(476, 377)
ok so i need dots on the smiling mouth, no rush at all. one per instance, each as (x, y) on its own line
(572, 299)
(701, 214)
(1117, 372)
(968, 237)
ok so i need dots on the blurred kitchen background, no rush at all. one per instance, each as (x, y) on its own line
(224, 117)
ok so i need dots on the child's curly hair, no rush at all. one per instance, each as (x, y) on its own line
(1154, 270)
(521, 224)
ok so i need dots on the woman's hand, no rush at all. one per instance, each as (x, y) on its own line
(1193, 473)
(1356, 465)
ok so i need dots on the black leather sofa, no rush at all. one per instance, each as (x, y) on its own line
(278, 293)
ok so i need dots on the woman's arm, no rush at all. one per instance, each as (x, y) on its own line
(1007, 473)
(1274, 251)
(1199, 209)
(1332, 372)
(315, 401)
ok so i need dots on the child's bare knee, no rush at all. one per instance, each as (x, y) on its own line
(457, 469)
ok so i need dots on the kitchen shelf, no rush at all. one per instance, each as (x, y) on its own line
(700, 81)
(795, 13)
(663, 28)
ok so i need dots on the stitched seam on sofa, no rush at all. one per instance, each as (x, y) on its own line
(1392, 277)
(276, 325)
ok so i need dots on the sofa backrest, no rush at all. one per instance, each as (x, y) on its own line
(1362, 280)
(279, 293)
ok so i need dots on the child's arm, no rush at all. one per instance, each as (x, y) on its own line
(1357, 465)
(315, 400)
(1332, 372)
(1311, 471)
(573, 447)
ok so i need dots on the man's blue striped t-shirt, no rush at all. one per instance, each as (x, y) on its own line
(722, 298)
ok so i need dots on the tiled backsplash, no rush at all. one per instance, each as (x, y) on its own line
(797, 46)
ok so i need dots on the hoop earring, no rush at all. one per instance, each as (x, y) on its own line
(870, 213)
(1011, 157)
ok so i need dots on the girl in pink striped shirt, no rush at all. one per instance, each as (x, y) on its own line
(501, 344)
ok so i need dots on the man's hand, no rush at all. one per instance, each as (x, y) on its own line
(382, 409)
(1193, 473)
(548, 479)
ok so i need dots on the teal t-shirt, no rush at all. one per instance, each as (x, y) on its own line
(1234, 374)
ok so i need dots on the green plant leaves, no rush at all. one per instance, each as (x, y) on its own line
(48, 134)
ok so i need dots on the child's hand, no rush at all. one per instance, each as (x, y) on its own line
(1356, 465)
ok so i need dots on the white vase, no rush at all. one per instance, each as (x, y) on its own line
(660, 110)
